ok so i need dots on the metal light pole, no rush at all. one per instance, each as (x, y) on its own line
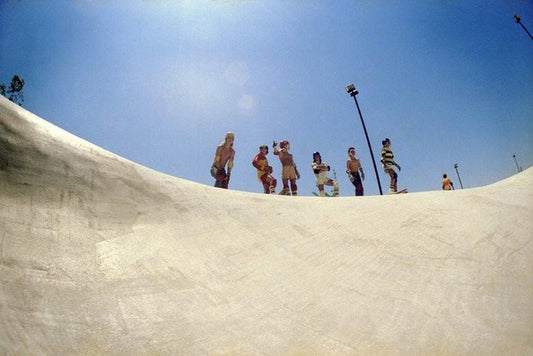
(350, 89)
(517, 19)
(456, 170)
(515, 161)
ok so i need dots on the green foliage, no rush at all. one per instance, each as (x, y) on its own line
(14, 93)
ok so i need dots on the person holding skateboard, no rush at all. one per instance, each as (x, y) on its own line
(223, 155)
(355, 172)
(389, 165)
(289, 171)
(321, 170)
(264, 171)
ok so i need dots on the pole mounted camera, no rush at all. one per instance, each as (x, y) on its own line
(350, 89)
(517, 19)
(458, 176)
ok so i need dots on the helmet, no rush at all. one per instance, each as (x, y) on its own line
(284, 144)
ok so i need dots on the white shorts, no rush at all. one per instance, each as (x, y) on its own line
(321, 178)
(386, 167)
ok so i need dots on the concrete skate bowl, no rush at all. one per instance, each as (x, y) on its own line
(99, 255)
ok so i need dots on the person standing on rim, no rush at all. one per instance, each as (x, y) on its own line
(355, 172)
(223, 155)
(289, 172)
(264, 171)
(321, 170)
(389, 165)
(447, 183)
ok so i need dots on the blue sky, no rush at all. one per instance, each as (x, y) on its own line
(161, 82)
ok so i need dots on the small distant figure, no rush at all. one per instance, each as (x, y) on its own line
(223, 155)
(321, 170)
(389, 165)
(447, 183)
(289, 171)
(264, 171)
(355, 173)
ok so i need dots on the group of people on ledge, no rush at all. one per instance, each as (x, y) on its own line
(225, 154)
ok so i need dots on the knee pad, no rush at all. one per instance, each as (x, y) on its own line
(213, 171)
(335, 189)
(294, 187)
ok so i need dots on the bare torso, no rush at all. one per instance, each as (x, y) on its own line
(353, 165)
(224, 153)
(285, 158)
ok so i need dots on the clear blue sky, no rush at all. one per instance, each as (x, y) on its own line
(160, 82)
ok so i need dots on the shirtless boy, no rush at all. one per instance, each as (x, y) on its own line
(289, 172)
(447, 183)
(355, 172)
(223, 155)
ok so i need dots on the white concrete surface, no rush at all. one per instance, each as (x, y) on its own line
(99, 255)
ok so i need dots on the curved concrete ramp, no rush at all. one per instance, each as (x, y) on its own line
(99, 255)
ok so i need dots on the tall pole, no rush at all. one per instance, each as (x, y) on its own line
(515, 161)
(517, 19)
(458, 176)
(353, 92)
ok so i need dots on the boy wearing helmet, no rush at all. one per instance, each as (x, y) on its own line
(389, 165)
(320, 169)
(264, 171)
(353, 167)
(223, 155)
(289, 171)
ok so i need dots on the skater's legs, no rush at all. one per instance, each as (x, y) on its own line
(269, 184)
(294, 187)
(393, 186)
(332, 183)
(358, 184)
(285, 190)
(273, 183)
(221, 179)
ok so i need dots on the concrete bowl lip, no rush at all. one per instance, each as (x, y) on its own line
(99, 254)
